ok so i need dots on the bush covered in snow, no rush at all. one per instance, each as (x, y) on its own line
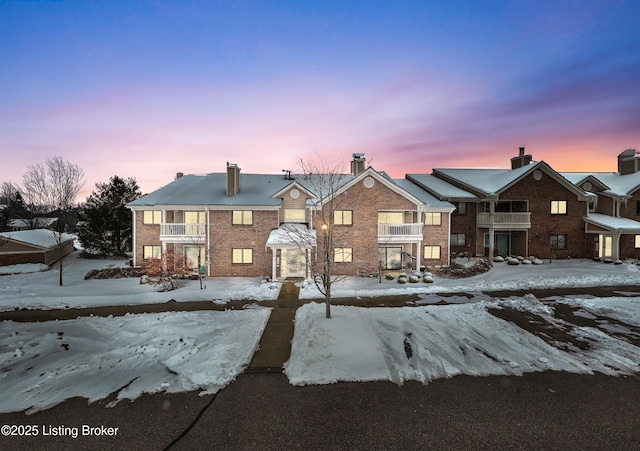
(402, 279)
(389, 276)
(414, 279)
(114, 273)
(457, 271)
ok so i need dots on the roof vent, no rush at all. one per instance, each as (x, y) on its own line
(179, 175)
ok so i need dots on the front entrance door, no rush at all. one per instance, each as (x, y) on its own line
(295, 262)
(606, 246)
(500, 243)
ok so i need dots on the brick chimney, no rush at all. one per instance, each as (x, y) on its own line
(357, 164)
(628, 162)
(233, 179)
(521, 160)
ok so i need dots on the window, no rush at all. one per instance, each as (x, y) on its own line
(432, 252)
(151, 252)
(294, 215)
(342, 254)
(638, 208)
(458, 239)
(390, 217)
(242, 217)
(637, 241)
(242, 256)
(151, 217)
(343, 217)
(194, 217)
(592, 206)
(433, 218)
(558, 241)
(558, 207)
(461, 208)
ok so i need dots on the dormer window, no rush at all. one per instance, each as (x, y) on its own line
(294, 215)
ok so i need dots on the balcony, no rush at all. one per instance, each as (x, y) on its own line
(183, 233)
(505, 221)
(399, 233)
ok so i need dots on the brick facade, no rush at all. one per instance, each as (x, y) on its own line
(540, 193)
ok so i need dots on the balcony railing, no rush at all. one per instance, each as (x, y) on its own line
(513, 220)
(400, 232)
(183, 232)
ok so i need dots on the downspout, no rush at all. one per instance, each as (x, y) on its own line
(134, 243)
(207, 242)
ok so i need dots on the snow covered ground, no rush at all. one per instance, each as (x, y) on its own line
(42, 364)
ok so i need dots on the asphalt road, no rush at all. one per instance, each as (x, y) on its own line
(547, 410)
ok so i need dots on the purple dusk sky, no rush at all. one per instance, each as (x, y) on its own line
(145, 89)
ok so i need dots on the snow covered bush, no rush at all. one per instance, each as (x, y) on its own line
(414, 279)
(427, 279)
(402, 280)
(498, 258)
(389, 276)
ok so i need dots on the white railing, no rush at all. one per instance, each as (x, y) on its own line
(400, 230)
(183, 229)
(513, 218)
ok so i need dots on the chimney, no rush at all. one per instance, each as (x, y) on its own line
(179, 175)
(233, 179)
(521, 160)
(628, 162)
(357, 164)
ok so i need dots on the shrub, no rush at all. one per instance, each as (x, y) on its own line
(402, 279)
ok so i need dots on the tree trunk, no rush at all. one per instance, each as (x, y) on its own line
(327, 300)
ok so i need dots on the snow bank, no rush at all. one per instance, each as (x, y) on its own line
(45, 363)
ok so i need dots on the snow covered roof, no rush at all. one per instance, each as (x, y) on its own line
(441, 188)
(487, 181)
(618, 185)
(42, 238)
(292, 235)
(210, 189)
(614, 223)
(26, 223)
(422, 194)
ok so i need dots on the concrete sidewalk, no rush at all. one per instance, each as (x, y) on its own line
(274, 348)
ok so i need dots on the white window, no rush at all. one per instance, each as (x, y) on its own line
(432, 252)
(152, 217)
(343, 217)
(558, 207)
(151, 252)
(342, 254)
(637, 241)
(294, 215)
(458, 239)
(242, 256)
(433, 219)
(242, 217)
(194, 217)
(390, 217)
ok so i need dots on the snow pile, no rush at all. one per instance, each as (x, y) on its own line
(425, 343)
(24, 268)
(45, 363)
(42, 291)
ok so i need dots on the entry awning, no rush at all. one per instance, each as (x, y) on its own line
(613, 224)
(290, 235)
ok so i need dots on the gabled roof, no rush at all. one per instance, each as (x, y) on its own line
(440, 188)
(210, 189)
(39, 238)
(580, 178)
(488, 182)
(419, 193)
(616, 184)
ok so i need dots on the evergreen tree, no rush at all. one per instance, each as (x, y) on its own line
(106, 223)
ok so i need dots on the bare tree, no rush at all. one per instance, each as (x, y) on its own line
(53, 186)
(324, 179)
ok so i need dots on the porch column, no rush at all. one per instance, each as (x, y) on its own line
(492, 209)
(615, 246)
(274, 256)
(418, 245)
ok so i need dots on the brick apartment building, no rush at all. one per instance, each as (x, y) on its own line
(234, 224)
(275, 225)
